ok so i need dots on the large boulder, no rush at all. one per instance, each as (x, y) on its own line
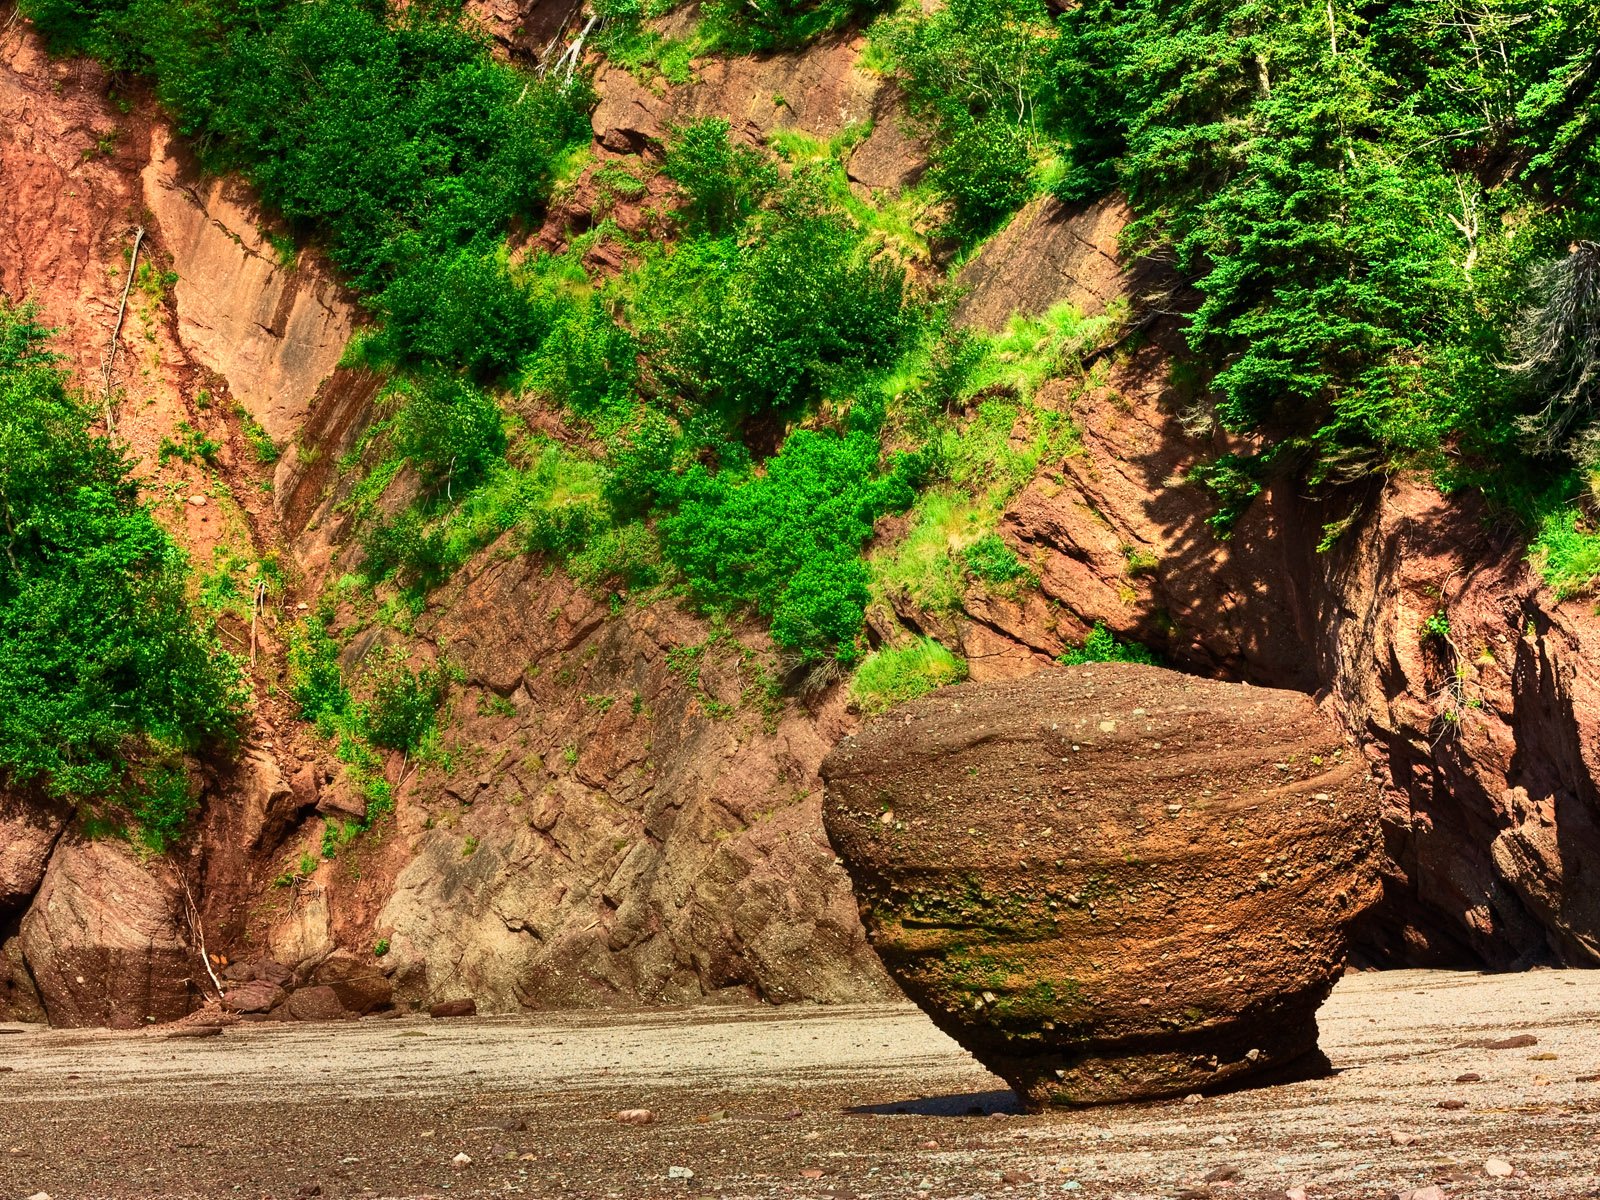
(1111, 882)
(105, 938)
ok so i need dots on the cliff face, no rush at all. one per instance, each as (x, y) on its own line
(631, 816)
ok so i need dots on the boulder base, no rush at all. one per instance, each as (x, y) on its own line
(1111, 882)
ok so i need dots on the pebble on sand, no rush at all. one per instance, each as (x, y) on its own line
(635, 1116)
(1498, 1168)
(1401, 1137)
(461, 1161)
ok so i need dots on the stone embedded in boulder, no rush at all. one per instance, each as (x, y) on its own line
(1111, 882)
(104, 938)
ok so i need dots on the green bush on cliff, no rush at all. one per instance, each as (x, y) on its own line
(105, 669)
(977, 72)
(390, 130)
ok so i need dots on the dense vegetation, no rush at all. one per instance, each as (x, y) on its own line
(1379, 222)
(106, 677)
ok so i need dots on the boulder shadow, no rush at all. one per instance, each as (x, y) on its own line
(966, 1104)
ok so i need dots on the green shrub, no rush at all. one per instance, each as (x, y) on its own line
(391, 129)
(1100, 646)
(978, 72)
(313, 674)
(890, 676)
(163, 806)
(409, 549)
(746, 25)
(773, 322)
(103, 664)
(994, 562)
(402, 705)
(1567, 552)
(788, 541)
(723, 183)
(449, 430)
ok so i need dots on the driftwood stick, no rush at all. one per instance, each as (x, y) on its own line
(116, 331)
(198, 929)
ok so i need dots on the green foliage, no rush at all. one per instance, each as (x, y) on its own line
(388, 128)
(1567, 552)
(103, 665)
(758, 25)
(401, 705)
(1100, 646)
(892, 676)
(1352, 192)
(723, 183)
(994, 562)
(266, 450)
(192, 446)
(788, 541)
(1437, 626)
(314, 676)
(163, 806)
(772, 321)
(449, 430)
(978, 73)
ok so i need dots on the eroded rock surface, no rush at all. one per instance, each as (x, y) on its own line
(29, 827)
(1111, 882)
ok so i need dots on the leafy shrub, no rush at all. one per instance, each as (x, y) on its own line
(314, 676)
(449, 430)
(746, 25)
(390, 128)
(979, 73)
(788, 541)
(163, 806)
(771, 323)
(723, 183)
(459, 310)
(588, 363)
(892, 676)
(409, 549)
(992, 561)
(402, 705)
(1567, 552)
(103, 665)
(1100, 646)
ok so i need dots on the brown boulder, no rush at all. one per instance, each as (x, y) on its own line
(29, 828)
(270, 971)
(361, 988)
(104, 938)
(318, 1003)
(454, 1008)
(1111, 882)
(257, 996)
